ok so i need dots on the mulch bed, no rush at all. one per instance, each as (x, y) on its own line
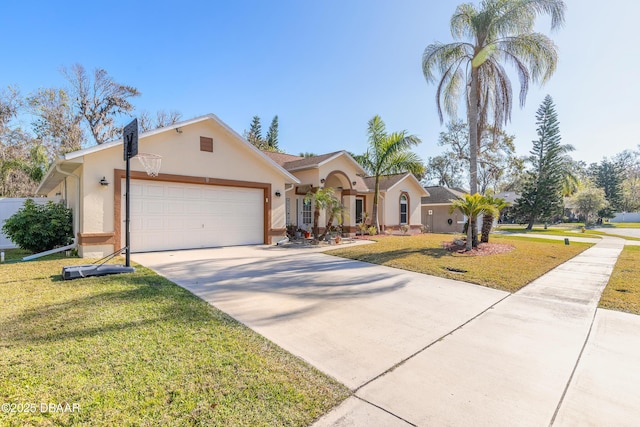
(483, 249)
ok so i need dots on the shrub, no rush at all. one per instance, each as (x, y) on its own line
(38, 228)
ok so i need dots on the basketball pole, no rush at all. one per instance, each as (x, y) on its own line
(127, 235)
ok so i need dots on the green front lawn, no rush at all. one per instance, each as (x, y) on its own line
(550, 231)
(137, 349)
(423, 253)
(623, 290)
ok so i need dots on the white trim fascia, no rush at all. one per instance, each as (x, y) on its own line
(343, 153)
(435, 204)
(325, 161)
(52, 169)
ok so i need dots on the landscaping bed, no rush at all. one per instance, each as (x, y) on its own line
(136, 349)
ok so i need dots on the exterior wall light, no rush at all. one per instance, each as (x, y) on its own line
(278, 194)
(104, 182)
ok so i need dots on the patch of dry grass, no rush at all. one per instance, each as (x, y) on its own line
(424, 253)
(623, 290)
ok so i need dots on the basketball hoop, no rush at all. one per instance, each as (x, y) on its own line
(150, 162)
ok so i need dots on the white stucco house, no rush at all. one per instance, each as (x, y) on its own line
(214, 189)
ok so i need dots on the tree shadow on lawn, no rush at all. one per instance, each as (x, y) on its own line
(104, 314)
(386, 256)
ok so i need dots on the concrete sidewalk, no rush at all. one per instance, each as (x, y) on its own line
(514, 364)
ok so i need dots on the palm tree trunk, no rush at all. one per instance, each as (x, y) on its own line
(326, 230)
(375, 204)
(474, 232)
(487, 225)
(316, 219)
(472, 116)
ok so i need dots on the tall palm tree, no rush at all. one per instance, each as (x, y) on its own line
(388, 154)
(471, 206)
(500, 31)
(488, 216)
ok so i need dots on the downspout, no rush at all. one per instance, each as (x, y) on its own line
(76, 215)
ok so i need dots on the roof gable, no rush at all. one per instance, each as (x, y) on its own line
(387, 182)
(78, 156)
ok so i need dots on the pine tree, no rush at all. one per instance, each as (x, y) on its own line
(272, 135)
(254, 136)
(542, 199)
(609, 177)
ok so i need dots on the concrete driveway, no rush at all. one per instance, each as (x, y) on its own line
(350, 319)
(421, 350)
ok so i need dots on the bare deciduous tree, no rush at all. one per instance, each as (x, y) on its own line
(163, 118)
(57, 125)
(99, 99)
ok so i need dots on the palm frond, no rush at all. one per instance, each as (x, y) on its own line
(462, 21)
(536, 50)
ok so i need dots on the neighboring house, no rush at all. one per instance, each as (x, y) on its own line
(435, 210)
(398, 200)
(506, 214)
(214, 189)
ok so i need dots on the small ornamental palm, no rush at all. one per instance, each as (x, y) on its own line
(488, 216)
(323, 199)
(471, 206)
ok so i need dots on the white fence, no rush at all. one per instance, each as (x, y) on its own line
(626, 217)
(7, 208)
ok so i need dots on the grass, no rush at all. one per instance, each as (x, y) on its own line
(16, 254)
(620, 225)
(602, 233)
(564, 230)
(424, 254)
(551, 231)
(137, 349)
(623, 290)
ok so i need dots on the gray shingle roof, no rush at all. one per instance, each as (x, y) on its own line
(291, 162)
(440, 194)
(281, 158)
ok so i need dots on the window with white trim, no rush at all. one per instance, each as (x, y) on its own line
(404, 205)
(306, 212)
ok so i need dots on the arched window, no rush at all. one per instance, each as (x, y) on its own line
(404, 209)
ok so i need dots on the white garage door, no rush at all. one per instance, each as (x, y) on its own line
(182, 216)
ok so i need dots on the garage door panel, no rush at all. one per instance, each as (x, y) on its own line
(181, 216)
(153, 190)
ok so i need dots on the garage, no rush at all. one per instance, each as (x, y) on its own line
(168, 215)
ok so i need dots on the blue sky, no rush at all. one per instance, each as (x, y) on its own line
(325, 68)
